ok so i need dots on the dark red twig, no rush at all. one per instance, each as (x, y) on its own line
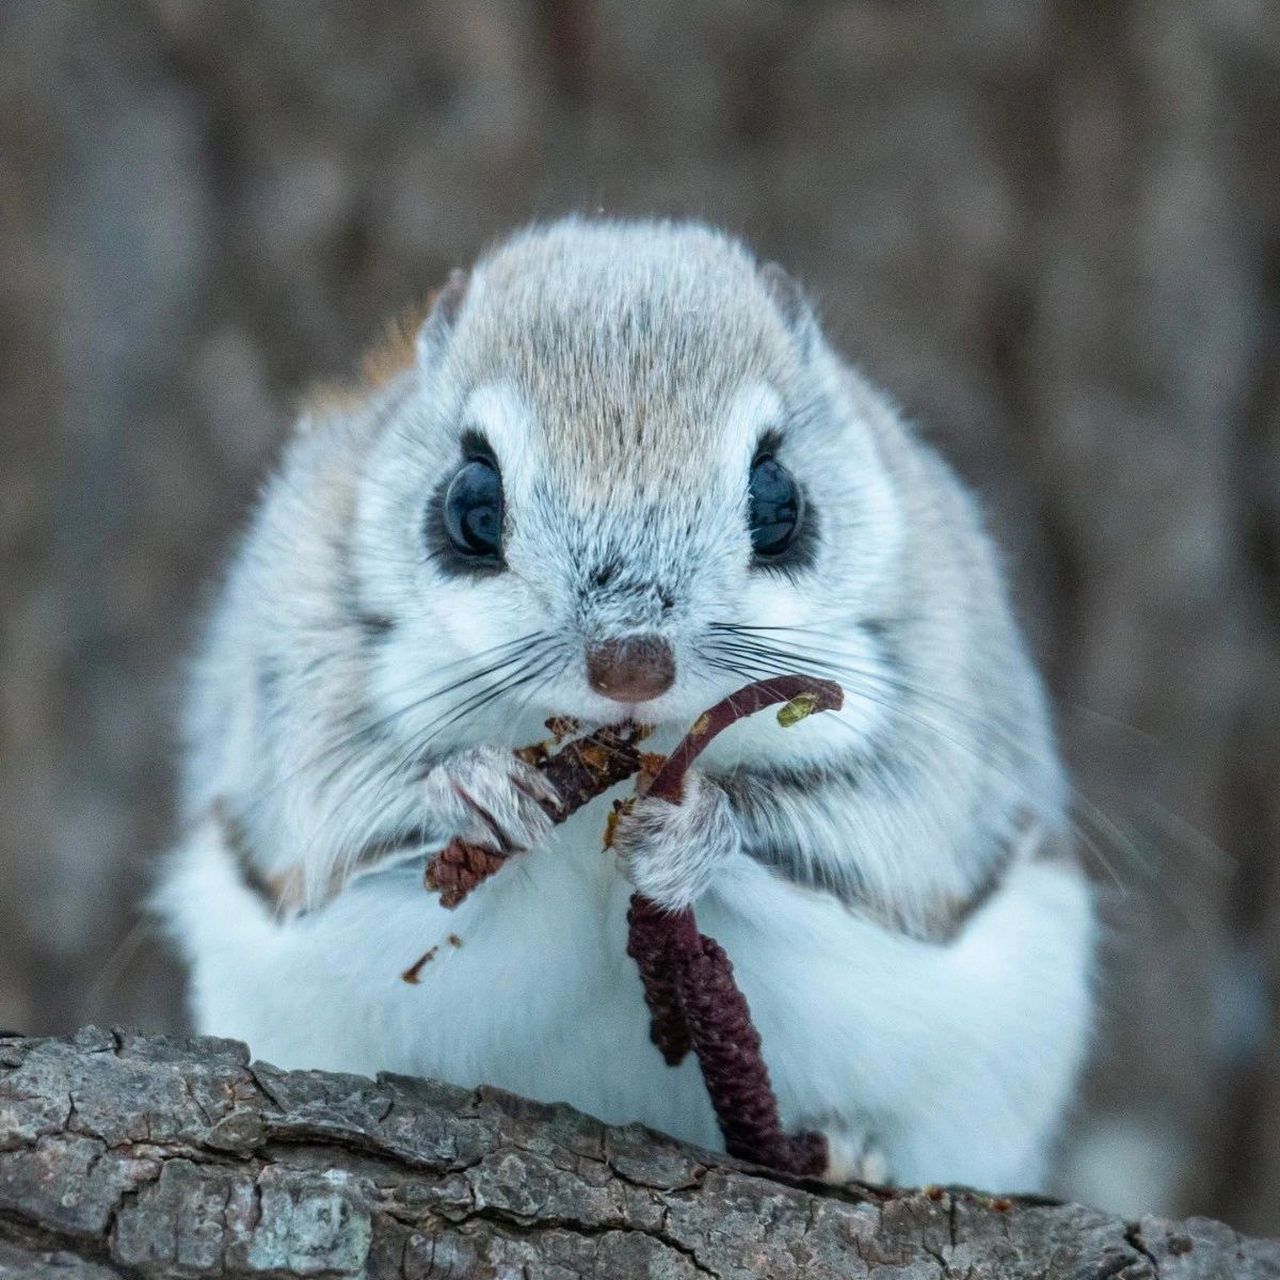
(649, 930)
(654, 935)
(802, 694)
(689, 987)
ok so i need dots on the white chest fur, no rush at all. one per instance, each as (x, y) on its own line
(959, 1058)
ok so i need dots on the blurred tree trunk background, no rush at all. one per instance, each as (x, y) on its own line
(1051, 229)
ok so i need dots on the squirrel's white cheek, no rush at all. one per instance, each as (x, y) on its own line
(469, 622)
(426, 651)
(770, 599)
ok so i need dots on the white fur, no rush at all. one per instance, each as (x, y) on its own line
(958, 1060)
(624, 375)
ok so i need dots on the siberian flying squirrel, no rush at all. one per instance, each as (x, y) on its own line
(619, 473)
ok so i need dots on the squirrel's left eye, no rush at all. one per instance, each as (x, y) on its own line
(775, 506)
(473, 510)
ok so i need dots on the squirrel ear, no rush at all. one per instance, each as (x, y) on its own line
(445, 307)
(791, 301)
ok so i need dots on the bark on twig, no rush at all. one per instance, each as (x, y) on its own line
(123, 1155)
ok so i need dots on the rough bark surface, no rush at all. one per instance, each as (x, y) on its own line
(124, 1155)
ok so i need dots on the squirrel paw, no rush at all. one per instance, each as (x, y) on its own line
(853, 1155)
(671, 852)
(487, 797)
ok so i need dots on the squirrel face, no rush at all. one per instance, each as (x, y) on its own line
(620, 442)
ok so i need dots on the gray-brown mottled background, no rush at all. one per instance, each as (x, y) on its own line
(1052, 228)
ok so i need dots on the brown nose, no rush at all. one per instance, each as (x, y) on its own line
(633, 669)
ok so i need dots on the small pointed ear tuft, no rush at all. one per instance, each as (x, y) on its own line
(791, 302)
(445, 308)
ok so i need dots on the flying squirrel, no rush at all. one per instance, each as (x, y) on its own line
(613, 474)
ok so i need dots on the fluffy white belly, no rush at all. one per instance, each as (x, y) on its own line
(958, 1059)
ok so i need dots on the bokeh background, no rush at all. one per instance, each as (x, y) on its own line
(1051, 228)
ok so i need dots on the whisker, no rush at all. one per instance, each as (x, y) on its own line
(365, 729)
(770, 667)
(411, 757)
(558, 652)
(1099, 818)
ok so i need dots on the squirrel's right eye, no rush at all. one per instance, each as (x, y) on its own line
(473, 510)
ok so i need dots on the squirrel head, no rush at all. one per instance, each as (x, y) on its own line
(617, 442)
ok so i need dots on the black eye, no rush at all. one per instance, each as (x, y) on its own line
(775, 508)
(473, 510)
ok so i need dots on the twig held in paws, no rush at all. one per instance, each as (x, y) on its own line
(689, 987)
(580, 771)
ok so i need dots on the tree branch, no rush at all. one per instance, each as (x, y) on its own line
(141, 1156)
